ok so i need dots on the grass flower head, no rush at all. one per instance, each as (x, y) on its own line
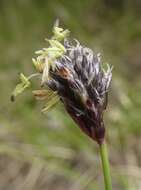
(73, 74)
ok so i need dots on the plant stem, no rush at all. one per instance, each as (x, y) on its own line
(105, 166)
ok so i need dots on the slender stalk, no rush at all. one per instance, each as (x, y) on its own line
(105, 166)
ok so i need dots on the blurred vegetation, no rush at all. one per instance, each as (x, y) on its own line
(48, 151)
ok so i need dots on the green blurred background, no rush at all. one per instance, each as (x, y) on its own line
(49, 151)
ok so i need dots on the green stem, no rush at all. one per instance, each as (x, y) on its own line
(105, 166)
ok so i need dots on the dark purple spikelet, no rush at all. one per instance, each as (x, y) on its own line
(75, 75)
(82, 85)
